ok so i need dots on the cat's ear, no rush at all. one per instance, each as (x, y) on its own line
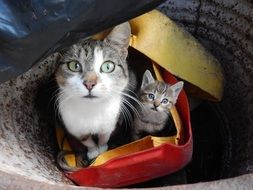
(147, 79)
(120, 35)
(61, 53)
(176, 89)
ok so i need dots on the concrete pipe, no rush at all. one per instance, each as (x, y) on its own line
(223, 155)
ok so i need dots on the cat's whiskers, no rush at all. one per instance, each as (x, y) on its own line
(131, 85)
(126, 114)
(130, 91)
(55, 95)
(131, 97)
(124, 100)
(131, 106)
(55, 98)
(56, 103)
(63, 98)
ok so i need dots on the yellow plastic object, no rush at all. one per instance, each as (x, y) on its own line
(160, 39)
(64, 146)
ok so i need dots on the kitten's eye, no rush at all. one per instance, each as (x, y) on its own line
(165, 101)
(107, 67)
(151, 96)
(74, 66)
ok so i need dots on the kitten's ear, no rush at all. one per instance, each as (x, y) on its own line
(120, 35)
(147, 79)
(176, 89)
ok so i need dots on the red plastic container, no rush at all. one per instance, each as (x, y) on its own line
(144, 165)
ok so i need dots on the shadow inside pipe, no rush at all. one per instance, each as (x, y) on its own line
(211, 150)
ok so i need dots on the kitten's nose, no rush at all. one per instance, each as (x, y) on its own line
(156, 103)
(91, 81)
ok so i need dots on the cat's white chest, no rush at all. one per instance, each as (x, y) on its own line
(83, 117)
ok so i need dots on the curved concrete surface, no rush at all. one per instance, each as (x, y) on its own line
(223, 27)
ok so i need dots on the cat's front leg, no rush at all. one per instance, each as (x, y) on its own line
(102, 142)
(93, 149)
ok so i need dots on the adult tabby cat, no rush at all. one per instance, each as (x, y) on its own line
(92, 76)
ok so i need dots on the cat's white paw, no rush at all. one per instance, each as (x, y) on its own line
(102, 148)
(93, 153)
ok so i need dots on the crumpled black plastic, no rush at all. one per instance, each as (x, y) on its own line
(32, 29)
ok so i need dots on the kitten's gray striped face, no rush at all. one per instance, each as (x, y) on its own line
(96, 69)
(158, 96)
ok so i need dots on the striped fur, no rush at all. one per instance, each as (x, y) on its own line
(156, 98)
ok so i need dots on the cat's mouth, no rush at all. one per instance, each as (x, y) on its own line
(154, 109)
(90, 96)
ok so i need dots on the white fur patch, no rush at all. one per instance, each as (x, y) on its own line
(98, 59)
(90, 116)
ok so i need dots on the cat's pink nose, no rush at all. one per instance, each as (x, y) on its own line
(90, 80)
(90, 84)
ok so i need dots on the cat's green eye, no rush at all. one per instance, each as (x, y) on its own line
(107, 67)
(165, 101)
(74, 66)
(151, 96)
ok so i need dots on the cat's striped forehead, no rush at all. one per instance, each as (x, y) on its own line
(159, 87)
(88, 52)
(82, 50)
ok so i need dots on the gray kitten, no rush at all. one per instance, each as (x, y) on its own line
(156, 99)
(91, 77)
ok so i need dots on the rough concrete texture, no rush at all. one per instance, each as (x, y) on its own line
(16, 182)
(24, 137)
(224, 27)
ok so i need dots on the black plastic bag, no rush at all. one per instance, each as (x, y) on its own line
(31, 29)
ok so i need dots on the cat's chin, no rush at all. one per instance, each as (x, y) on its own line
(155, 110)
